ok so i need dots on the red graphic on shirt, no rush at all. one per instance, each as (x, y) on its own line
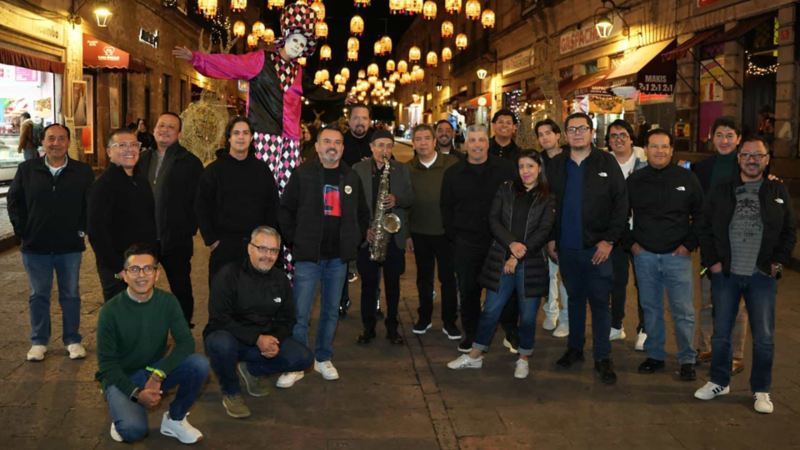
(332, 200)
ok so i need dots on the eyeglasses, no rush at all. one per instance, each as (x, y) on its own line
(127, 145)
(580, 129)
(266, 250)
(136, 270)
(620, 136)
(754, 156)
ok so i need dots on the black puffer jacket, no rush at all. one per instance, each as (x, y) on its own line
(541, 217)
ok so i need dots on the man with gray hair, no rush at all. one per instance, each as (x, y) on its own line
(468, 189)
(251, 316)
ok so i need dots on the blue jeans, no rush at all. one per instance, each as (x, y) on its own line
(40, 278)
(654, 274)
(130, 419)
(307, 275)
(493, 308)
(590, 283)
(759, 292)
(224, 351)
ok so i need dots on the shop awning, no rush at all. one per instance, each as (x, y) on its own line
(681, 50)
(625, 74)
(583, 84)
(19, 59)
(739, 30)
(457, 97)
(101, 55)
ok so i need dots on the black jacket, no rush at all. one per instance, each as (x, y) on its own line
(178, 220)
(49, 214)
(509, 152)
(121, 213)
(356, 149)
(605, 197)
(399, 186)
(248, 303)
(704, 169)
(301, 212)
(777, 215)
(541, 217)
(667, 206)
(235, 197)
(467, 196)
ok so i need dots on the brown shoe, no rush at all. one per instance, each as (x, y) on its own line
(703, 357)
(737, 366)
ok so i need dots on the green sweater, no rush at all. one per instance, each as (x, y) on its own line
(133, 335)
(425, 215)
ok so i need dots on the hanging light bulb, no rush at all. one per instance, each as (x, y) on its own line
(268, 36)
(319, 8)
(258, 28)
(487, 18)
(461, 41)
(447, 29)
(473, 9)
(356, 25)
(321, 30)
(208, 7)
(414, 54)
(432, 59)
(447, 54)
(386, 43)
(402, 67)
(452, 6)
(252, 40)
(239, 28)
(275, 4)
(325, 53)
(238, 5)
(353, 44)
(429, 10)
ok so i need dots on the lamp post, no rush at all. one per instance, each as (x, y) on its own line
(102, 13)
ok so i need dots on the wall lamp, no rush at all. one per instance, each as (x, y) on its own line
(604, 18)
(482, 73)
(102, 12)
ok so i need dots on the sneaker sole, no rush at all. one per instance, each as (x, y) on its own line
(416, 331)
(173, 435)
(452, 337)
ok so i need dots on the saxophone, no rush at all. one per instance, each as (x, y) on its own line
(384, 223)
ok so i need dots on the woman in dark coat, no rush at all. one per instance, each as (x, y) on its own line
(522, 215)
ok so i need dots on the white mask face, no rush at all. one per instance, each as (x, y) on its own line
(295, 45)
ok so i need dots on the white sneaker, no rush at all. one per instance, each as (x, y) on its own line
(507, 344)
(327, 370)
(181, 430)
(617, 334)
(549, 323)
(288, 379)
(763, 403)
(36, 353)
(114, 435)
(641, 336)
(562, 330)
(711, 390)
(522, 369)
(76, 351)
(465, 362)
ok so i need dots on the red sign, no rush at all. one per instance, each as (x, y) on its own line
(704, 3)
(99, 54)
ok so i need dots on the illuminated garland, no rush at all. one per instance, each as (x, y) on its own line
(755, 70)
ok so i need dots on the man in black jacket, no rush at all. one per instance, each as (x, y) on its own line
(47, 204)
(666, 203)
(747, 234)
(468, 189)
(591, 215)
(504, 126)
(173, 173)
(121, 211)
(251, 315)
(324, 216)
(237, 193)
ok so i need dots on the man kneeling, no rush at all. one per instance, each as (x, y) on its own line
(251, 316)
(131, 345)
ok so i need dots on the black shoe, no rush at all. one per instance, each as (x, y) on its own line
(379, 315)
(570, 357)
(395, 338)
(650, 365)
(451, 331)
(688, 373)
(344, 306)
(465, 346)
(605, 369)
(421, 327)
(365, 337)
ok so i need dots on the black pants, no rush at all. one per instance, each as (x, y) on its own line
(620, 261)
(430, 251)
(370, 272)
(230, 249)
(468, 264)
(177, 264)
(110, 284)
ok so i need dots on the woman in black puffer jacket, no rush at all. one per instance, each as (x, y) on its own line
(522, 214)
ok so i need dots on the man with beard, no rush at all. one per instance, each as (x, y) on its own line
(504, 125)
(747, 234)
(173, 173)
(444, 139)
(324, 216)
(356, 140)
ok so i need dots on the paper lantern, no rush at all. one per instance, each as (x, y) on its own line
(356, 25)
(447, 29)
(402, 67)
(452, 6)
(362, 74)
(432, 59)
(447, 54)
(325, 53)
(268, 36)
(414, 54)
(390, 66)
(352, 44)
(252, 40)
(414, 6)
(319, 8)
(429, 10)
(397, 6)
(386, 42)
(487, 18)
(239, 28)
(275, 4)
(461, 41)
(377, 48)
(321, 30)
(473, 9)
(258, 28)
(373, 70)
(208, 7)
(352, 55)
(345, 73)
(361, 3)
(302, 61)
(238, 5)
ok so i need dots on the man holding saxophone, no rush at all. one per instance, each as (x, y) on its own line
(387, 188)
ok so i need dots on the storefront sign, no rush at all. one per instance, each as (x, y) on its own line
(99, 54)
(23, 74)
(518, 61)
(149, 38)
(584, 36)
(605, 104)
(28, 23)
(655, 84)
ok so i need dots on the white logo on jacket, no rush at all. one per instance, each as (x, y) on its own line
(277, 300)
(680, 188)
(603, 174)
(779, 201)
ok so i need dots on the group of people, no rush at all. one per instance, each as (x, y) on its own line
(562, 224)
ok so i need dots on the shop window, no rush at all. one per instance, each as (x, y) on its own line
(166, 80)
